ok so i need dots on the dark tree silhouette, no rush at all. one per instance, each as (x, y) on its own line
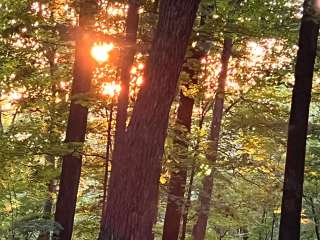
(298, 125)
(176, 187)
(178, 177)
(199, 229)
(128, 53)
(177, 184)
(77, 122)
(134, 181)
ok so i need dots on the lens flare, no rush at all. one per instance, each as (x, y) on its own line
(100, 51)
(256, 50)
(139, 80)
(111, 89)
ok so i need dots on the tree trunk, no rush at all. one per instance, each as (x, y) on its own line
(263, 219)
(199, 229)
(179, 174)
(272, 225)
(187, 205)
(132, 24)
(77, 122)
(297, 132)
(134, 181)
(178, 177)
(128, 54)
(47, 208)
(315, 219)
(48, 204)
(188, 198)
(244, 233)
(106, 171)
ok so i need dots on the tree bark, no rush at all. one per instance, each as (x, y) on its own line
(128, 53)
(188, 198)
(132, 23)
(199, 229)
(297, 131)
(272, 225)
(187, 205)
(106, 171)
(176, 188)
(77, 122)
(178, 179)
(134, 181)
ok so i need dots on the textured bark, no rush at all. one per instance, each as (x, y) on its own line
(134, 182)
(128, 54)
(178, 179)
(77, 122)
(199, 229)
(297, 131)
(106, 171)
(176, 188)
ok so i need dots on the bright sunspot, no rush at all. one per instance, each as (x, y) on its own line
(100, 51)
(111, 89)
(256, 49)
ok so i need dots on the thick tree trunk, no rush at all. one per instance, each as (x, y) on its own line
(77, 122)
(199, 229)
(134, 182)
(297, 132)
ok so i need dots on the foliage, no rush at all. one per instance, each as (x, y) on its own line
(36, 59)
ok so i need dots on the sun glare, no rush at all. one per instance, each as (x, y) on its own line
(256, 49)
(139, 80)
(317, 5)
(15, 96)
(100, 51)
(111, 89)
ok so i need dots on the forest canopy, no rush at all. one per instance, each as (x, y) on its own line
(159, 119)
